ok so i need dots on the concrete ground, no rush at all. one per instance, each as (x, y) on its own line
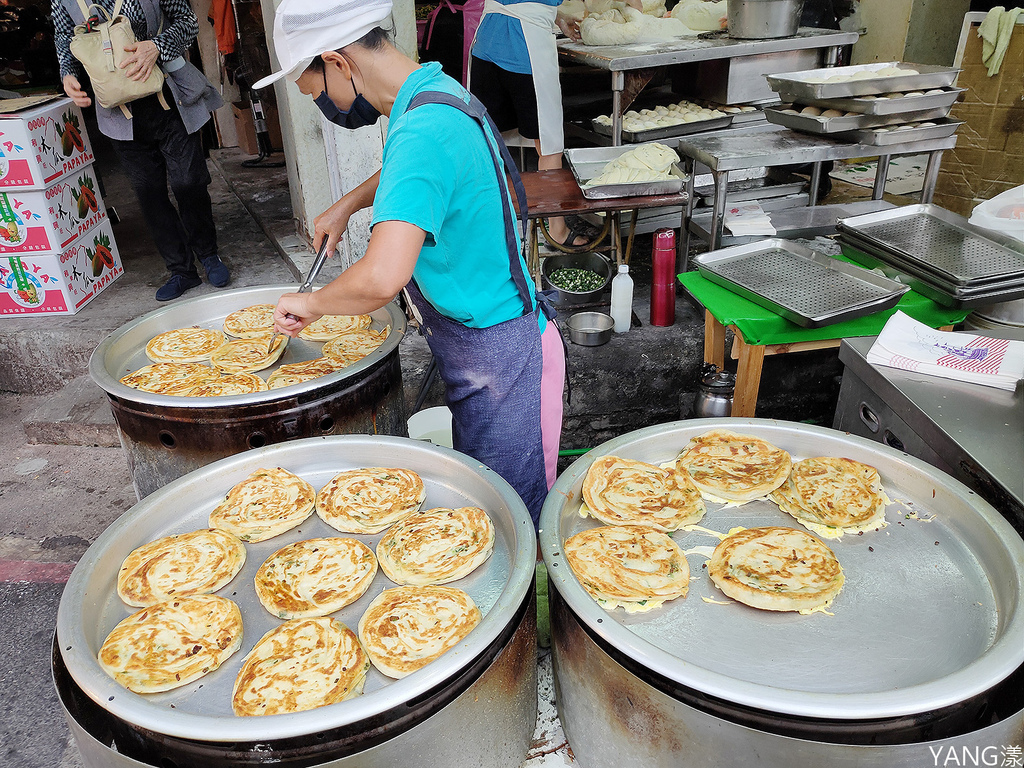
(64, 478)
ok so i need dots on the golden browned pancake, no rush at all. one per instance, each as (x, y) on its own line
(622, 492)
(406, 628)
(632, 566)
(172, 643)
(184, 345)
(248, 355)
(233, 384)
(301, 665)
(436, 546)
(725, 465)
(296, 373)
(250, 321)
(353, 345)
(170, 378)
(315, 577)
(267, 503)
(369, 500)
(776, 569)
(835, 492)
(194, 563)
(331, 326)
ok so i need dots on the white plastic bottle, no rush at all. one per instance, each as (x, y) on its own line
(622, 299)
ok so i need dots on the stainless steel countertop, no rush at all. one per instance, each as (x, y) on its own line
(983, 423)
(618, 58)
(776, 145)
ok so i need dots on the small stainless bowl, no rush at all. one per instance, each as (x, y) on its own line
(590, 329)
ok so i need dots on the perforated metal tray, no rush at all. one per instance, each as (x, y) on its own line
(943, 127)
(668, 131)
(830, 125)
(804, 286)
(796, 84)
(896, 103)
(941, 243)
(918, 625)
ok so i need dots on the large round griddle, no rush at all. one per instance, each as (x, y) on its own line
(930, 613)
(124, 350)
(90, 608)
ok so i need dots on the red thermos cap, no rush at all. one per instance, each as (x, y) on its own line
(663, 288)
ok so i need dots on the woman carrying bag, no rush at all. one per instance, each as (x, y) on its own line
(157, 139)
(443, 227)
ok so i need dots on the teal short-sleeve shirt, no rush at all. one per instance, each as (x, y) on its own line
(438, 175)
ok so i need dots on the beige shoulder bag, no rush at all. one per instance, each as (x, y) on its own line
(100, 47)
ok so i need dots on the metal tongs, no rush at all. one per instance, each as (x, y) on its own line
(307, 285)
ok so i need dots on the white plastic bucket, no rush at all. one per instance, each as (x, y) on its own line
(433, 425)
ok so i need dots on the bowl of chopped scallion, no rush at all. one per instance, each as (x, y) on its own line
(577, 278)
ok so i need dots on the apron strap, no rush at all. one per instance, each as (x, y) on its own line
(477, 111)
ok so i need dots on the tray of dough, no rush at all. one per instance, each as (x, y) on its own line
(587, 163)
(861, 80)
(888, 103)
(829, 121)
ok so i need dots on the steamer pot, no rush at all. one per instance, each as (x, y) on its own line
(489, 678)
(764, 19)
(165, 437)
(924, 646)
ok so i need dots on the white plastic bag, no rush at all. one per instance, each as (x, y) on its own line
(1003, 213)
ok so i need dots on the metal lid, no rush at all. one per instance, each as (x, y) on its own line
(124, 349)
(720, 381)
(930, 615)
(90, 608)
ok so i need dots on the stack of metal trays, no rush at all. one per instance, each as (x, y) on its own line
(803, 285)
(938, 253)
(807, 86)
(791, 116)
(887, 103)
(586, 163)
(665, 131)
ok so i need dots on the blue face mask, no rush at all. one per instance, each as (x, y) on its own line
(359, 115)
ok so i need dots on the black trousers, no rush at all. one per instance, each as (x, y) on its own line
(162, 151)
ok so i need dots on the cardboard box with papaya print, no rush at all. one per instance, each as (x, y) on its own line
(62, 283)
(41, 144)
(47, 220)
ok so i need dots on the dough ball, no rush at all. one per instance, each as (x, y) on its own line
(790, 112)
(837, 79)
(864, 74)
(832, 113)
(933, 92)
(868, 98)
(914, 93)
(929, 124)
(661, 110)
(691, 117)
(811, 111)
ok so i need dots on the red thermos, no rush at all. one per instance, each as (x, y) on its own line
(663, 281)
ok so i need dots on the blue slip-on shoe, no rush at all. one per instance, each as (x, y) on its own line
(216, 272)
(176, 286)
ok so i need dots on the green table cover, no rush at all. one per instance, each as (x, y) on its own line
(762, 326)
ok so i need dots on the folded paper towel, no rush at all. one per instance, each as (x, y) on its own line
(748, 219)
(912, 346)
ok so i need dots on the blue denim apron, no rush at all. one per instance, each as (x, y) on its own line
(492, 375)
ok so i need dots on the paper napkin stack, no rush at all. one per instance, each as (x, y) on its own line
(913, 346)
(748, 219)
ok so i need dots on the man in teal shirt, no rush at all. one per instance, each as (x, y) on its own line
(442, 228)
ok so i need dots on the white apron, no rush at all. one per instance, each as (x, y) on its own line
(538, 22)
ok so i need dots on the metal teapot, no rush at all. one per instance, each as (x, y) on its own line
(714, 397)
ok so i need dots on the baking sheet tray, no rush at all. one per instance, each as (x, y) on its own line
(797, 86)
(803, 285)
(896, 103)
(942, 243)
(124, 349)
(667, 131)
(917, 626)
(588, 162)
(941, 293)
(944, 127)
(830, 125)
(90, 607)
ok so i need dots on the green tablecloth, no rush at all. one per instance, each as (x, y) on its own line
(762, 326)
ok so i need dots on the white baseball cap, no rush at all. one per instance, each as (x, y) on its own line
(303, 29)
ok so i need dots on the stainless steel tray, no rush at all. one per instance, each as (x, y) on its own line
(668, 131)
(944, 127)
(124, 349)
(588, 162)
(90, 607)
(941, 243)
(896, 103)
(941, 293)
(830, 125)
(797, 86)
(917, 626)
(803, 285)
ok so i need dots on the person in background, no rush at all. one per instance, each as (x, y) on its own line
(514, 72)
(443, 228)
(158, 145)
